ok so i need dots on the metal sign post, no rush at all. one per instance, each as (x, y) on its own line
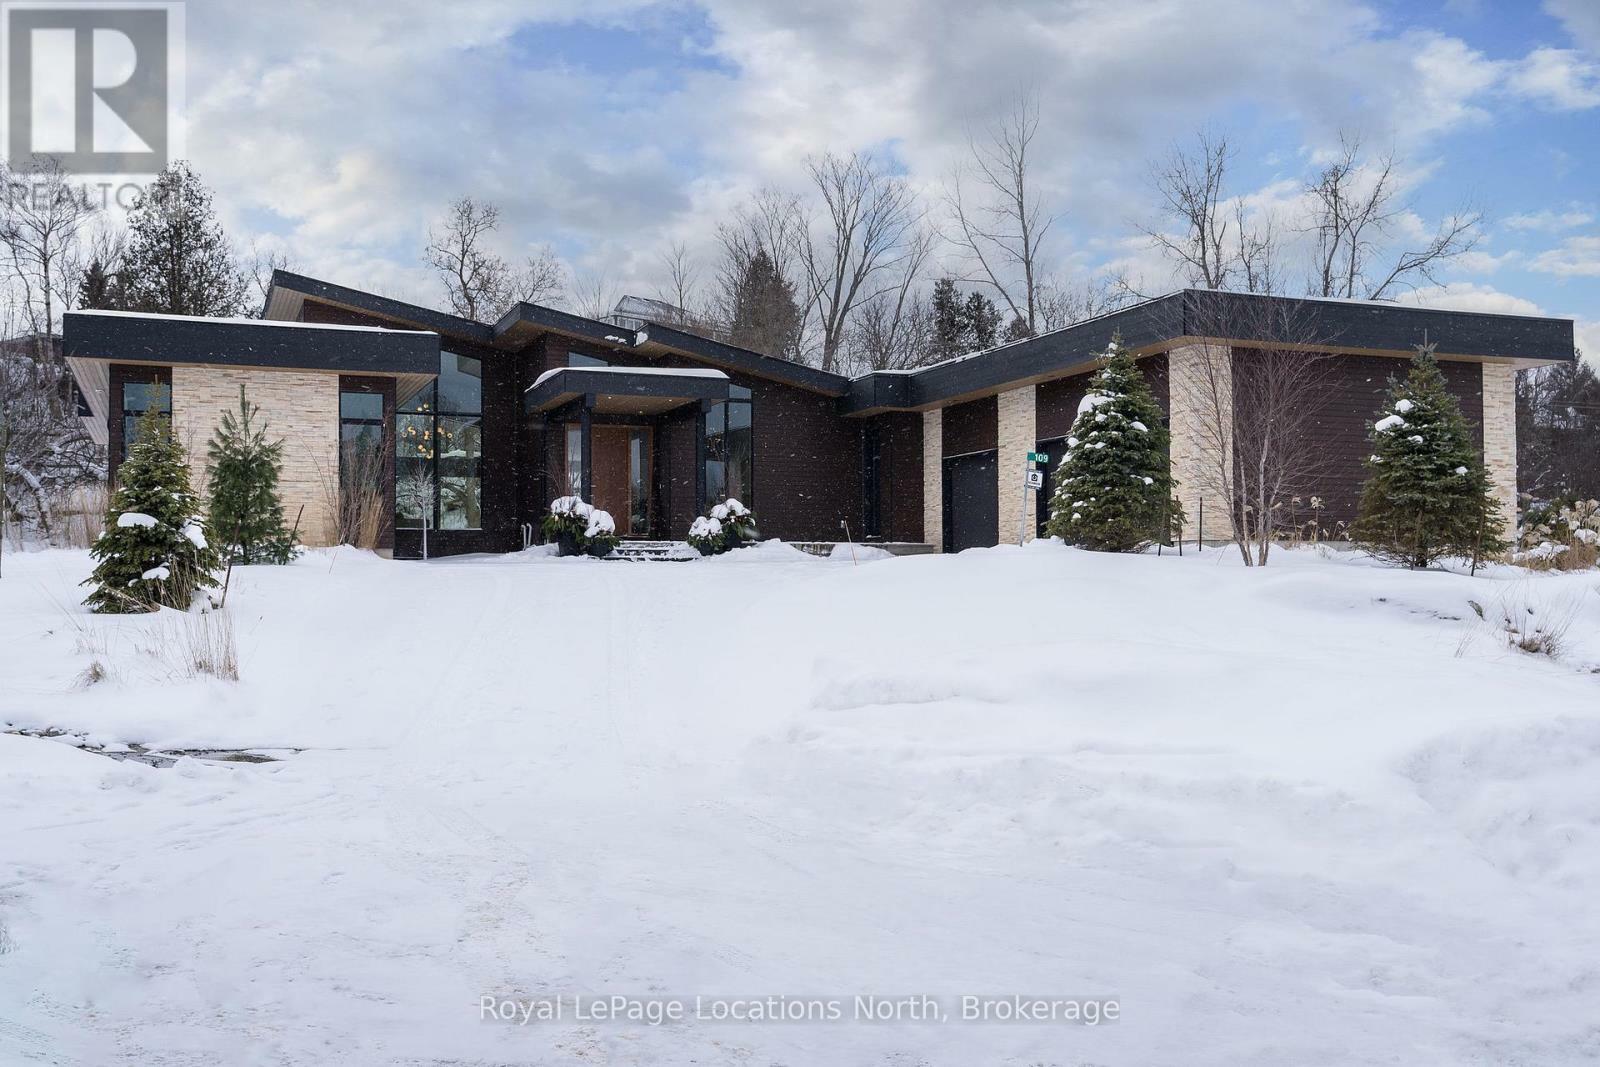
(1032, 480)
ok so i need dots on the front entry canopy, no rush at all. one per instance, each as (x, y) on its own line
(625, 390)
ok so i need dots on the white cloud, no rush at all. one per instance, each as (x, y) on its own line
(1581, 19)
(1560, 78)
(1467, 296)
(1549, 221)
(1575, 257)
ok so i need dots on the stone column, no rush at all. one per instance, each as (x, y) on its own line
(1201, 420)
(933, 478)
(1018, 434)
(301, 407)
(1500, 437)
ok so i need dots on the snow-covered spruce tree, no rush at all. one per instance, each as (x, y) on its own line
(246, 514)
(1114, 486)
(154, 551)
(1428, 495)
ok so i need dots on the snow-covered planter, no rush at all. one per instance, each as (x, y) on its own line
(727, 526)
(600, 536)
(577, 528)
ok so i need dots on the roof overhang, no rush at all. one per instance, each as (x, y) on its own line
(625, 390)
(1242, 320)
(168, 340)
(656, 339)
(525, 322)
(287, 294)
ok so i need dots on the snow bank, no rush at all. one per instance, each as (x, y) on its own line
(1287, 815)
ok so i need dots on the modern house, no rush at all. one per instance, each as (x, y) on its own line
(479, 426)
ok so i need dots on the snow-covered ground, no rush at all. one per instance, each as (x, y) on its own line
(1316, 814)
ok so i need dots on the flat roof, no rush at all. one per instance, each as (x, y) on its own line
(137, 337)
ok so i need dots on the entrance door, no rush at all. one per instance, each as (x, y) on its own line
(621, 476)
(971, 502)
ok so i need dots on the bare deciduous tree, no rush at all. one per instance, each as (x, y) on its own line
(1062, 303)
(263, 262)
(1211, 239)
(1355, 211)
(542, 280)
(474, 277)
(1253, 409)
(999, 223)
(594, 294)
(867, 215)
(893, 329)
(39, 224)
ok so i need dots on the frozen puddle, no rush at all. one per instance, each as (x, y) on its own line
(165, 757)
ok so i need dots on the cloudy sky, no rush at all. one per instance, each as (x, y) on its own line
(610, 129)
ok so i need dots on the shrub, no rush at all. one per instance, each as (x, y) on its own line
(727, 526)
(1560, 536)
(577, 526)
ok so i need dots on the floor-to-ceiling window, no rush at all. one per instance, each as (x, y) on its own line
(730, 449)
(439, 448)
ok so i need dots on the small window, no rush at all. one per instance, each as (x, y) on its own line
(578, 359)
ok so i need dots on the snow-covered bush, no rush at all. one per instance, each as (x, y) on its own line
(154, 551)
(1114, 486)
(1560, 536)
(727, 526)
(577, 527)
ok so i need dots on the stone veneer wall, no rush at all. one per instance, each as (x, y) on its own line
(301, 407)
(1200, 376)
(1018, 434)
(1500, 437)
(933, 478)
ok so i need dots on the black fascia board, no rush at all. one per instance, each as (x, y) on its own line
(782, 370)
(553, 319)
(1340, 324)
(618, 381)
(383, 306)
(233, 342)
(1387, 326)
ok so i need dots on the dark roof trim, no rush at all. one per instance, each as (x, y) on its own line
(1241, 317)
(286, 284)
(783, 370)
(176, 339)
(559, 385)
(554, 320)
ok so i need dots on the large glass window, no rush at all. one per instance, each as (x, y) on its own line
(730, 449)
(439, 447)
(361, 466)
(138, 398)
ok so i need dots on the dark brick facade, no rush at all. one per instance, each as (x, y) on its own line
(971, 427)
(1353, 390)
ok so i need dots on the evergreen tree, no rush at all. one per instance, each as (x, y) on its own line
(1017, 329)
(962, 325)
(1428, 495)
(178, 260)
(246, 514)
(153, 552)
(766, 318)
(100, 290)
(982, 322)
(1114, 485)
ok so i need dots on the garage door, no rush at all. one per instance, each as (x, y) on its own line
(971, 504)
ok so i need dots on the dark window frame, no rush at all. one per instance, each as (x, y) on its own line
(718, 410)
(430, 411)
